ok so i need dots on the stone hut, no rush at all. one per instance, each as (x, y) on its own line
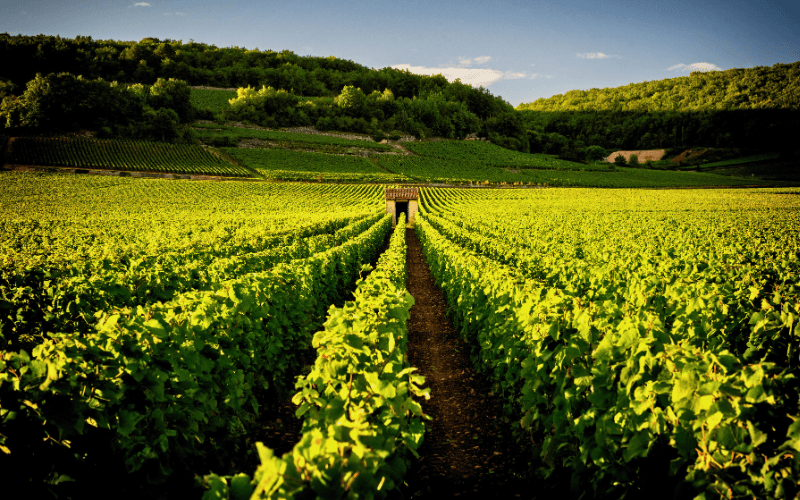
(402, 200)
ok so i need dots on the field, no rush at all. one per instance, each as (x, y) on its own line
(167, 316)
(212, 133)
(136, 156)
(483, 153)
(281, 155)
(740, 161)
(445, 170)
(625, 329)
(638, 341)
(150, 322)
(280, 164)
(212, 99)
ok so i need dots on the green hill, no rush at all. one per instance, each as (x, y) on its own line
(751, 88)
(281, 155)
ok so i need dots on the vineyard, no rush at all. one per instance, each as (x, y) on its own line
(642, 343)
(146, 323)
(136, 156)
(213, 133)
(212, 99)
(638, 342)
(280, 164)
(441, 169)
(483, 153)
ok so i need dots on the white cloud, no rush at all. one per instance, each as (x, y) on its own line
(701, 66)
(180, 13)
(472, 76)
(596, 55)
(141, 4)
(464, 62)
(533, 76)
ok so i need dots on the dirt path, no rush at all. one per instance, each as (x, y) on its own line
(467, 449)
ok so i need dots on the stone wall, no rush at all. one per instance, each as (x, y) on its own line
(413, 208)
(391, 209)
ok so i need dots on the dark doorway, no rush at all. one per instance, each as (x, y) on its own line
(400, 207)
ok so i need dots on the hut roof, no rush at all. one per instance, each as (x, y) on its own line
(402, 194)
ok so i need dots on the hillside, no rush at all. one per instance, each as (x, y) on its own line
(325, 92)
(154, 90)
(282, 155)
(751, 88)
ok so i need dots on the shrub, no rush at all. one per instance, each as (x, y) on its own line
(633, 161)
(619, 160)
(594, 153)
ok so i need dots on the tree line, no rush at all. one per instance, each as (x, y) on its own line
(416, 104)
(65, 102)
(755, 108)
(761, 87)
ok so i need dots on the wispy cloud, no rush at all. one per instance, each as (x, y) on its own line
(533, 76)
(596, 55)
(464, 62)
(141, 4)
(701, 66)
(472, 76)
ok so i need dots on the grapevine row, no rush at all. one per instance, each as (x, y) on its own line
(67, 301)
(361, 423)
(159, 380)
(120, 155)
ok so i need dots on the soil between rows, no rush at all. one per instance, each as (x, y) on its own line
(468, 451)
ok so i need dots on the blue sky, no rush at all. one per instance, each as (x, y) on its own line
(519, 50)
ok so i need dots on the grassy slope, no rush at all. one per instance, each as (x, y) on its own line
(143, 156)
(281, 164)
(212, 132)
(328, 158)
(436, 161)
(213, 100)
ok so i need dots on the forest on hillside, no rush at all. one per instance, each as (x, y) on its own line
(762, 87)
(755, 108)
(120, 87)
(348, 96)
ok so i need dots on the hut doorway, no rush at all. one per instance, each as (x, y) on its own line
(401, 207)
